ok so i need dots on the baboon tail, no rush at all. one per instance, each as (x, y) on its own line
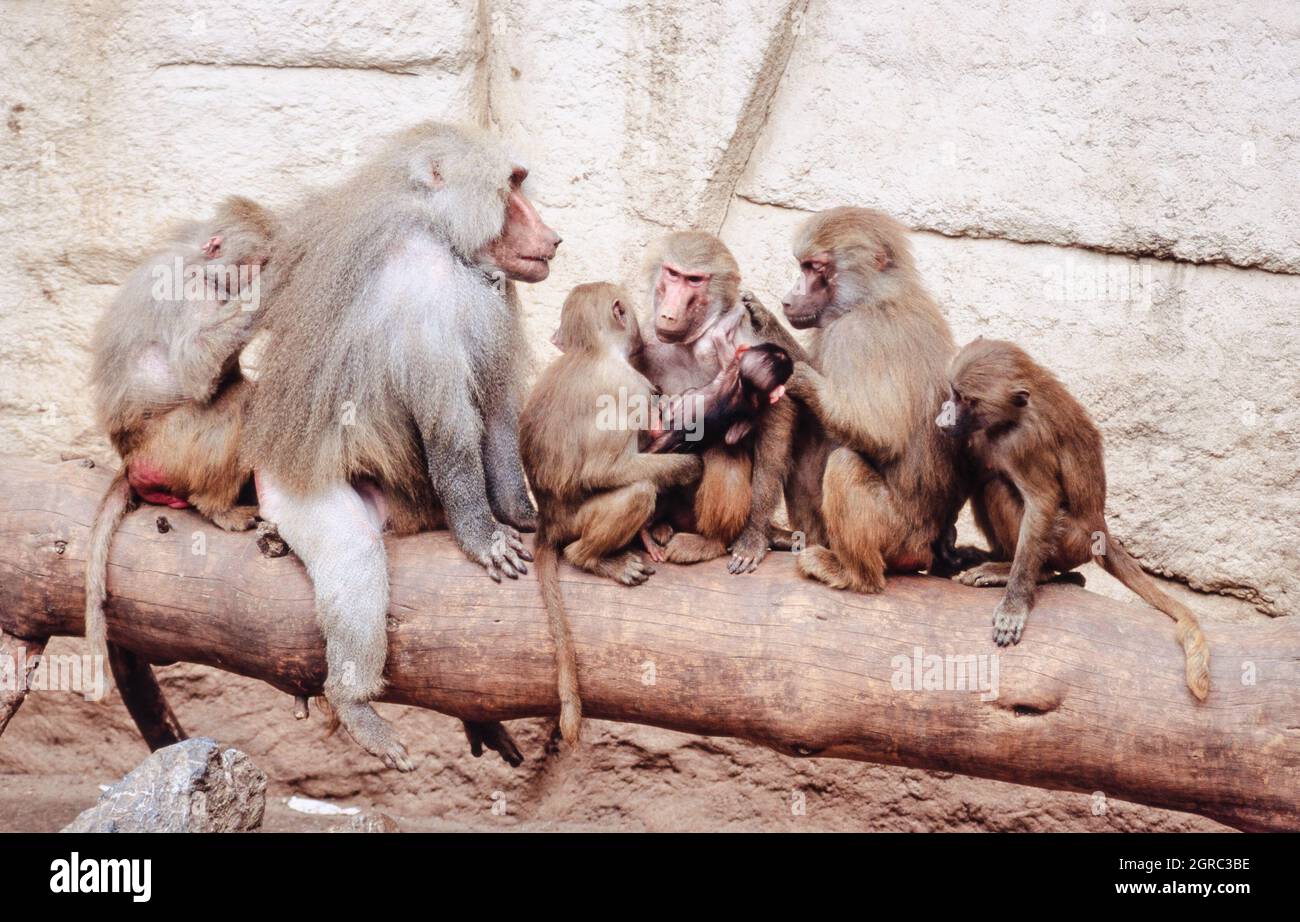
(566, 660)
(117, 502)
(1124, 568)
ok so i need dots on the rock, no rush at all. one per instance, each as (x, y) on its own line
(193, 786)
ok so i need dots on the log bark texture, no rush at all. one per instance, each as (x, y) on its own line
(1091, 700)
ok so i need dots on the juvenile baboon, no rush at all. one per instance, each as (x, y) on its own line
(389, 391)
(892, 489)
(594, 491)
(1043, 498)
(700, 318)
(166, 381)
(728, 408)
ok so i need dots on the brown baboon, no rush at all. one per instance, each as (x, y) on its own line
(166, 381)
(892, 489)
(388, 395)
(700, 319)
(1043, 499)
(594, 491)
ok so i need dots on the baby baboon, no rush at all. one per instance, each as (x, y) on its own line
(594, 491)
(730, 406)
(1042, 505)
(166, 381)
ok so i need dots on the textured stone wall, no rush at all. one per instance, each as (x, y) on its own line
(1114, 185)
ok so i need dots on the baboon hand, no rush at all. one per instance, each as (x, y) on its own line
(652, 546)
(494, 736)
(1009, 620)
(502, 552)
(748, 550)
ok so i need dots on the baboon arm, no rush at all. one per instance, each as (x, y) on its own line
(837, 414)
(771, 463)
(453, 448)
(507, 488)
(199, 359)
(662, 470)
(1042, 499)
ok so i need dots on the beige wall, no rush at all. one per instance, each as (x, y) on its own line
(1041, 155)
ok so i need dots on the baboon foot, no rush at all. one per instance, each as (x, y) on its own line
(236, 518)
(628, 569)
(994, 573)
(652, 547)
(748, 551)
(685, 547)
(821, 564)
(373, 734)
(492, 734)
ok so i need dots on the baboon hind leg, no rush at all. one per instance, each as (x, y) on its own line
(858, 517)
(607, 523)
(687, 547)
(997, 572)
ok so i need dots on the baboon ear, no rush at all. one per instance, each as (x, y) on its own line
(426, 171)
(1020, 397)
(737, 431)
(212, 248)
(620, 315)
(884, 257)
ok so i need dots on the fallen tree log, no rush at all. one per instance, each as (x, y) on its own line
(1091, 700)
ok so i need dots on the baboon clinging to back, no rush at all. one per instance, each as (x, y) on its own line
(166, 381)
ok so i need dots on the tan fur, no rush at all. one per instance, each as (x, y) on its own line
(594, 490)
(741, 488)
(166, 382)
(722, 499)
(891, 490)
(1042, 500)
